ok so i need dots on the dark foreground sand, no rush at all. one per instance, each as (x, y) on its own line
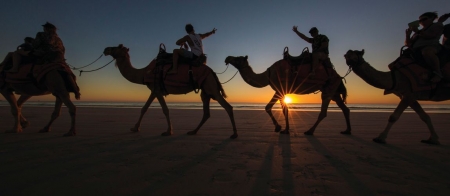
(106, 159)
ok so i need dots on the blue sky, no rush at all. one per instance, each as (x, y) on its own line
(259, 29)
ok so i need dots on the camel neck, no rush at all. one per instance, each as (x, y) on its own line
(129, 72)
(254, 79)
(375, 78)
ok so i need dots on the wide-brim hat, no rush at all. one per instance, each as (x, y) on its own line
(49, 25)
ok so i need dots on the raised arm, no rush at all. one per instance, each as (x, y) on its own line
(205, 35)
(443, 18)
(301, 35)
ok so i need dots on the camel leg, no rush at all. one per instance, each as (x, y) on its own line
(269, 106)
(286, 116)
(56, 113)
(206, 113)
(22, 99)
(15, 111)
(165, 109)
(322, 114)
(346, 112)
(144, 109)
(434, 139)
(65, 98)
(404, 103)
(229, 110)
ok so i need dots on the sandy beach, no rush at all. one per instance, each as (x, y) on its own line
(106, 159)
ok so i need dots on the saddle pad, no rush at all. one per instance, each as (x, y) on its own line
(181, 78)
(418, 75)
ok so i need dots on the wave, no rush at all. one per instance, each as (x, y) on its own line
(430, 108)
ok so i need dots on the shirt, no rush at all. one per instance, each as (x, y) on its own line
(317, 41)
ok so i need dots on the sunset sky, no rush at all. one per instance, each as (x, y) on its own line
(259, 29)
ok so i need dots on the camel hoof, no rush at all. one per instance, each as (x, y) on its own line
(431, 142)
(134, 130)
(70, 134)
(284, 132)
(44, 130)
(166, 134)
(192, 132)
(277, 128)
(234, 136)
(346, 132)
(378, 140)
(309, 133)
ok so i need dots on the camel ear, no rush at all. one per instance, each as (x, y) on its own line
(362, 52)
(246, 57)
(120, 45)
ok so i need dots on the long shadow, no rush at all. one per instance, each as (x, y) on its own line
(179, 170)
(352, 181)
(264, 173)
(117, 146)
(431, 165)
(288, 181)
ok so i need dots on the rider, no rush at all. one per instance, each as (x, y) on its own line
(319, 44)
(20, 55)
(195, 43)
(47, 46)
(426, 40)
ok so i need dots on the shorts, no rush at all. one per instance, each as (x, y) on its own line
(188, 54)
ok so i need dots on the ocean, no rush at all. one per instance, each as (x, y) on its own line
(429, 108)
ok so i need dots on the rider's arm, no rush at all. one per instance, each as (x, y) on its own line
(182, 41)
(304, 37)
(203, 36)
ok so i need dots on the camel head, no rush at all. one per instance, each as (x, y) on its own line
(119, 51)
(354, 58)
(238, 62)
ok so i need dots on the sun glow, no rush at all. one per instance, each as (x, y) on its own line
(287, 99)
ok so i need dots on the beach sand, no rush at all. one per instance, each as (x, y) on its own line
(105, 158)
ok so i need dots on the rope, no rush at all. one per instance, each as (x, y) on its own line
(348, 72)
(75, 68)
(230, 78)
(223, 71)
(81, 71)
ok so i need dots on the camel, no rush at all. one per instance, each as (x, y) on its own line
(400, 85)
(272, 77)
(210, 89)
(55, 79)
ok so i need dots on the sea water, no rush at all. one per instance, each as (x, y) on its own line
(430, 108)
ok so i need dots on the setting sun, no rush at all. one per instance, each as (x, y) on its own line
(287, 99)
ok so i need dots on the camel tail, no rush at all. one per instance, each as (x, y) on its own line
(343, 92)
(219, 85)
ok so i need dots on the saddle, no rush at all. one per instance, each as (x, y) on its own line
(164, 58)
(32, 73)
(304, 58)
(190, 73)
(413, 66)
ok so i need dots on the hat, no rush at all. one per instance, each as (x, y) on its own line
(313, 29)
(49, 25)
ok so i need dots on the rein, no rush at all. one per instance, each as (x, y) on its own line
(76, 68)
(81, 71)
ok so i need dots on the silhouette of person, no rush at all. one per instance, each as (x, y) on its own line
(19, 56)
(47, 46)
(426, 40)
(319, 44)
(195, 43)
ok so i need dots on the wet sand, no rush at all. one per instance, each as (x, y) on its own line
(106, 159)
